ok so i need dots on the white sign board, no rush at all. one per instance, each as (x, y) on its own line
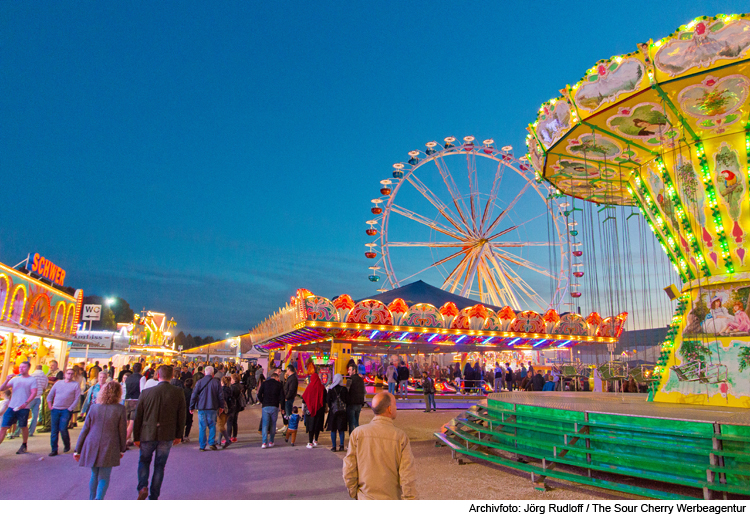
(91, 312)
(95, 339)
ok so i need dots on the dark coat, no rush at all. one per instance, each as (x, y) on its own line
(291, 384)
(160, 415)
(428, 385)
(537, 382)
(336, 421)
(207, 395)
(271, 393)
(403, 373)
(133, 386)
(188, 393)
(356, 391)
(232, 397)
(103, 437)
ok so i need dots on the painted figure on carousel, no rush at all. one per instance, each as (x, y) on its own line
(718, 317)
(741, 320)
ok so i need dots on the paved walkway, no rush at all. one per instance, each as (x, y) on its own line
(244, 471)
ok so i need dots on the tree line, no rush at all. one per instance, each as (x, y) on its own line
(191, 341)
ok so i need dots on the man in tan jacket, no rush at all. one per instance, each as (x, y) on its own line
(379, 463)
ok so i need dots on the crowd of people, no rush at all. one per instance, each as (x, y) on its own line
(153, 409)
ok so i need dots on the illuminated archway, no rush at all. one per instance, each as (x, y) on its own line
(5, 285)
(70, 319)
(40, 312)
(58, 324)
(17, 305)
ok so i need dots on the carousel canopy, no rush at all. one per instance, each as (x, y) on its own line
(307, 319)
(664, 128)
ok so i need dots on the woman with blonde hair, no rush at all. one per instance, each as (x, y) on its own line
(102, 442)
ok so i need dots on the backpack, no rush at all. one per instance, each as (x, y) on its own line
(243, 401)
(338, 404)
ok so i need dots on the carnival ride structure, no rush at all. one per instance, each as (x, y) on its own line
(659, 134)
(466, 194)
(665, 129)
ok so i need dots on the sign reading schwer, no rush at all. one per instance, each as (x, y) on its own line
(91, 312)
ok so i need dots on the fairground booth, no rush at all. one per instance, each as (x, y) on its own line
(149, 338)
(406, 322)
(38, 314)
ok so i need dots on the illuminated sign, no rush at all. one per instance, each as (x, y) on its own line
(45, 268)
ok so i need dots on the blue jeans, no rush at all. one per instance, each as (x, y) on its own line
(430, 400)
(288, 406)
(99, 482)
(392, 388)
(60, 419)
(144, 465)
(270, 414)
(352, 414)
(206, 419)
(341, 438)
(34, 406)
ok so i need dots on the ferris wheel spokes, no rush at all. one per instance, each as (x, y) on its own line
(435, 201)
(486, 278)
(454, 276)
(511, 205)
(471, 169)
(429, 223)
(506, 272)
(493, 194)
(426, 244)
(520, 261)
(456, 196)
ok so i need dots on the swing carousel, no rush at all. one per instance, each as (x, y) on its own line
(663, 132)
(654, 140)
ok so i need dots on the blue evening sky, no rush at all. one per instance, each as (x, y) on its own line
(206, 159)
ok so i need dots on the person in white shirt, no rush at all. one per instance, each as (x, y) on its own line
(42, 382)
(62, 399)
(153, 382)
(24, 391)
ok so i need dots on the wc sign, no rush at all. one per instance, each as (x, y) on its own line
(91, 312)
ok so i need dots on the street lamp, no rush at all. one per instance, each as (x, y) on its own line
(110, 301)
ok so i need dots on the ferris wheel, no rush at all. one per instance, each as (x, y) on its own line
(471, 232)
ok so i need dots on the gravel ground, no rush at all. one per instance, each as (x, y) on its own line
(441, 477)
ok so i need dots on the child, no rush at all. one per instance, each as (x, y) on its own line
(292, 427)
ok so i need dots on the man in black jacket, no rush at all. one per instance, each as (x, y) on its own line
(428, 388)
(271, 395)
(132, 393)
(403, 381)
(159, 424)
(290, 391)
(355, 396)
(208, 400)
